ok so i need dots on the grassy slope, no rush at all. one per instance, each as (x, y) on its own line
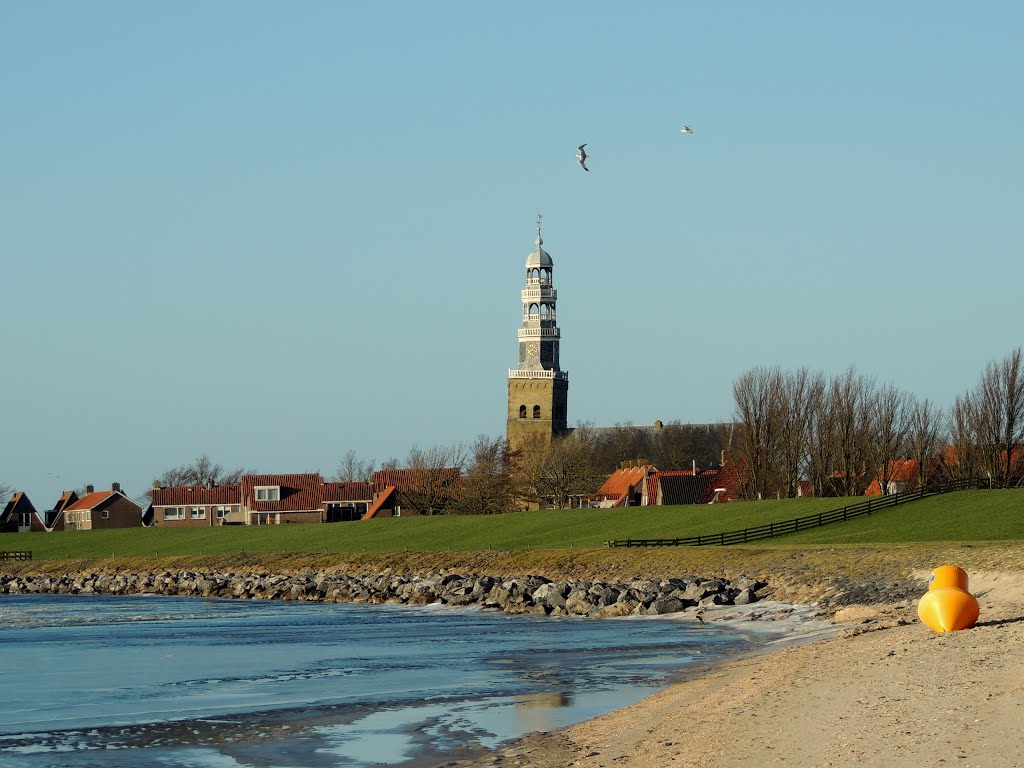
(546, 529)
(996, 515)
(980, 529)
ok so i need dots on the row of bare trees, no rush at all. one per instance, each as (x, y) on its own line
(839, 434)
(986, 424)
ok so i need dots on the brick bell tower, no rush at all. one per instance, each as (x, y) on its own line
(538, 389)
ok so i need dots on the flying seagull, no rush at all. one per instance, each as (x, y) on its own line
(581, 156)
(686, 129)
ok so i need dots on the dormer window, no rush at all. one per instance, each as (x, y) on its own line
(268, 493)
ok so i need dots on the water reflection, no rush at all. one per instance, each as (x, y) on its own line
(209, 683)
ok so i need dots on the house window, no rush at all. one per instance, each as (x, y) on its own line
(536, 411)
(174, 513)
(105, 514)
(222, 512)
(198, 513)
(522, 411)
(268, 493)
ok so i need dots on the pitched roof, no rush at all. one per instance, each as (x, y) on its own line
(622, 481)
(347, 491)
(687, 488)
(197, 494)
(66, 500)
(89, 501)
(900, 471)
(18, 503)
(299, 492)
(403, 478)
(379, 502)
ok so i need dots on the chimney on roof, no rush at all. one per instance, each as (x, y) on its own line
(115, 487)
(89, 489)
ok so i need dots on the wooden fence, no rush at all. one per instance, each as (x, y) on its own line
(16, 555)
(770, 530)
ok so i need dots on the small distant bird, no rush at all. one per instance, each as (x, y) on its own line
(686, 129)
(581, 156)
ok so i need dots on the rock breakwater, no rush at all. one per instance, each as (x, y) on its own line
(527, 594)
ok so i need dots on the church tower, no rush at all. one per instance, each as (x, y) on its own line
(538, 389)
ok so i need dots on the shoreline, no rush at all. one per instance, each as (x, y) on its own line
(882, 690)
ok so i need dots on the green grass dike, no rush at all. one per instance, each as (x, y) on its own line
(973, 529)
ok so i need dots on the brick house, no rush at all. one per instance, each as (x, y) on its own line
(54, 518)
(276, 499)
(399, 492)
(262, 500)
(708, 486)
(625, 486)
(98, 510)
(344, 502)
(197, 506)
(20, 516)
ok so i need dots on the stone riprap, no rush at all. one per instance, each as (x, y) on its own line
(527, 594)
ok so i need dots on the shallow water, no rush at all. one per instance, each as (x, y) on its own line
(187, 682)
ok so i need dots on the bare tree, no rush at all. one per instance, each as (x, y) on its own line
(799, 392)
(822, 444)
(202, 471)
(353, 469)
(487, 486)
(623, 442)
(6, 491)
(924, 438)
(964, 439)
(1011, 389)
(888, 423)
(758, 397)
(560, 471)
(433, 481)
(677, 446)
(995, 415)
(849, 399)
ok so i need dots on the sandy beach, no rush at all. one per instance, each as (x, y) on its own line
(880, 689)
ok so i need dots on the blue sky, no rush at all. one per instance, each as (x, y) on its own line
(274, 232)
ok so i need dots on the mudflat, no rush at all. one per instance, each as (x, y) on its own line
(882, 691)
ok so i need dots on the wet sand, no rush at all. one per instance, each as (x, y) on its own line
(879, 689)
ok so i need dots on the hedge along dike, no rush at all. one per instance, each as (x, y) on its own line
(527, 594)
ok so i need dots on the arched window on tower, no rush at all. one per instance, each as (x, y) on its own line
(522, 411)
(545, 276)
(545, 311)
(536, 411)
(534, 310)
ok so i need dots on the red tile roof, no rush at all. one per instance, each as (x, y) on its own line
(685, 487)
(90, 501)
(299, 492)
(622, 481)
(403, 478)
(348, 491)
(197, 494)
(900, 471)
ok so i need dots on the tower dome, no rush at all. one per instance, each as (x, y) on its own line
(539, 257)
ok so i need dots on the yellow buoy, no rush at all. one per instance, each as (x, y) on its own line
(947, 605)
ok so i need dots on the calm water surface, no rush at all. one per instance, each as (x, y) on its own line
(192, 683)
